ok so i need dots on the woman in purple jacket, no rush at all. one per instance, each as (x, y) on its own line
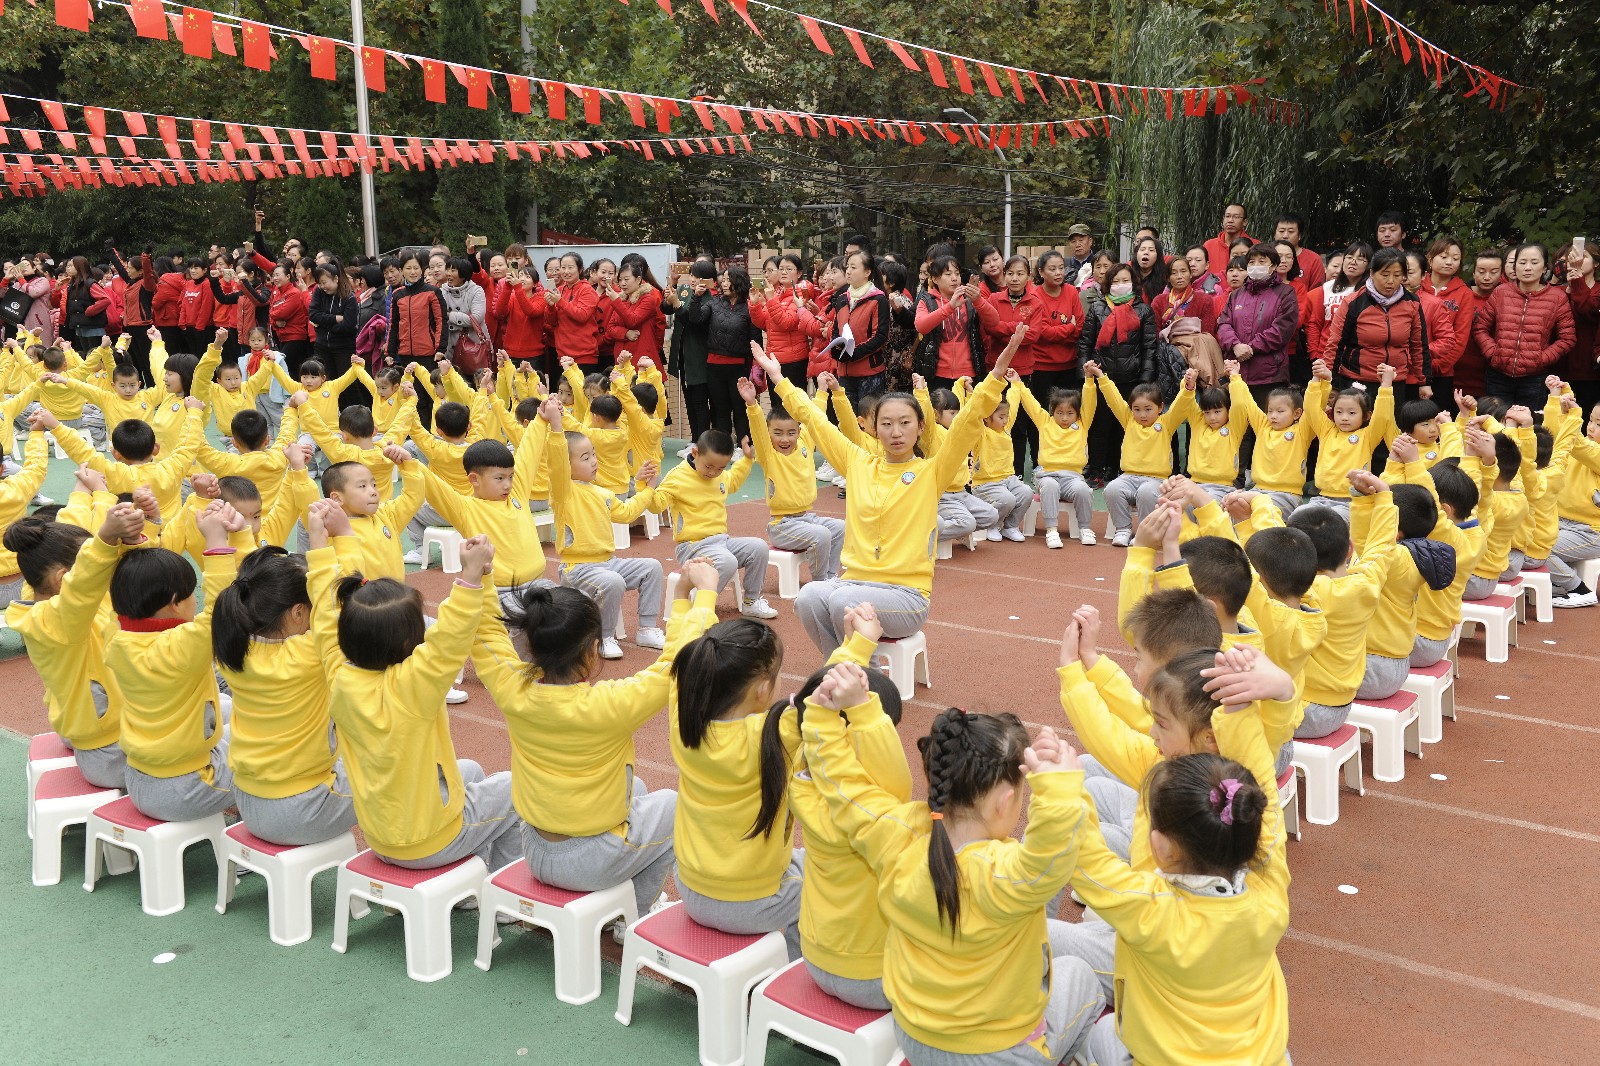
(1258, 326)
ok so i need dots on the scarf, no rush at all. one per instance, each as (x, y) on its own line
(1121, 324)
(859, 293)
(1382, 300)
(1118, 301)
(1175, 308)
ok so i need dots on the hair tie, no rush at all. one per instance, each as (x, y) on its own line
(1362, 385)
(937, 816)
(1230, 787)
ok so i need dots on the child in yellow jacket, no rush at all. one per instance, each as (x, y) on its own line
(962, 513)
(1278, 461)
(1216, 430)
(1348, 434)
(994, 478)
(961, 897)
(1063, 452)
(1146, 447)
(591, 824)
(1197, 974)
(17, 490)
(790, 466)
(1500, 461)
(417, 804)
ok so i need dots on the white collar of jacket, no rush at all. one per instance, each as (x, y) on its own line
(1207, 884)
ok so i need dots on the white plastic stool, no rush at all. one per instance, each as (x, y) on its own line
(287, 870)
(449, 542)
(575, 920)
(720, 967)
(1452, 651)
(542, 521)
(946, 548)
(1518, 592)
(1289, 801)
(905, 661)
(1536, 586)
(1435, 689)
(1030, 518)
(620, 537)
(159, 846)
(46, 752)
(60, 798)
(652, 525)
(1318, 762)
(672, 593)
(1392, 724)
(1498, 616)
(790, 1002)
(1588, 572)
(788, 565)
(424, 899)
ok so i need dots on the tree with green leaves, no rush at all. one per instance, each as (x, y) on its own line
(471, 197)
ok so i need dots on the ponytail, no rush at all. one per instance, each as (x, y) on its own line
(561, 628)
(43, 546)
(1210, 808)
(715, 670)
(774, 766)
(964, 756)
(380, 621)
(271, 583)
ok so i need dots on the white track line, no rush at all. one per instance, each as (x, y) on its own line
(1526, 718)
(1463, 812)
(1400, 962)
(1109, 587)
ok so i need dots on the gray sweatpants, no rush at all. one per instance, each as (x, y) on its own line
(93, 421)
(1064, 486)
(1010, 499)
(490, 828)
(730, 554)
(1479, 587)
(1128, 493)
(425, 517)
(312, 816)
(1320, 720)
(1425, 652)
(821, 606)
(1288, 502)
(1117, 804)
(866, 994)
(1076, 1002)
(1518, 561)
(187, 796)
(606, 582)
(777, 913)
(1383, 678)
(106, 767)
(1576, 543)
(963, 513)
(819, 537)
(1334, 503)
(589, 864)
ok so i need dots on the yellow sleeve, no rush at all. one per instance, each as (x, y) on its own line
(1030, 404)
(399, 511)
(203, 374)
(429, 671)
(1382, 426)
(965, 432)
(1137, 581)
(1121, 698)
(345, 380)
(1183, 407)
(1316, 403)
(560, 461)
(1112, 397)
(878, 826)
(1123, 750)
(736, 476)
(290, 385)
(846, 415)
(573, 376)
(760, 438)
(1240, 400)
(1014, 396)
(1264, 514)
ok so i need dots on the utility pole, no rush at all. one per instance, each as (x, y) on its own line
(369, 194)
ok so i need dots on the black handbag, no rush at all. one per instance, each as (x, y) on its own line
(15, 305)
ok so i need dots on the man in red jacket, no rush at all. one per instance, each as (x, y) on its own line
(1292, 228)
(1233, 223)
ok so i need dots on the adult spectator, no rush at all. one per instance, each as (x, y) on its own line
(1119, 335)
(687, 362)
(1080, 239)
(1257, 326)
(1391, 229)
(1292, 228)
(1584, 294)
(1443, 282)
(1488, 274)
(1525, 330)
(1381, 324)
(1233, 229)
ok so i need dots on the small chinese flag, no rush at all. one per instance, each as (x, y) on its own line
(149, 20)
(322, 63)
(257, 47)
(198, 39)
(433, 80)
(73, 14)
(372, 66)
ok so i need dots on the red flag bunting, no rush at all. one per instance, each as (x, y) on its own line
(963, 80)
(861, 50)
(94, 118)
(198, 40)
(521, 99)
(635, 106)
(149, 19)
(989, 79)
(322, 61)
(1016, 85)
(555, 95)
(433, 81)
(743, 9)
(477, 88)
(711, 9)
(591, 107)
(52, 111)
(222, 37)
(935, 68)
(815, 31)
(73, 15)
(903, 56)
(372, 69)
(202, 138)
(136, 124)
(257, 47)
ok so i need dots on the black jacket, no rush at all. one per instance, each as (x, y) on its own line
(1128, 362)
(335, 338)
(729, 330)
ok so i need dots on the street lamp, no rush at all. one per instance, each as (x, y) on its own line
(961, 115)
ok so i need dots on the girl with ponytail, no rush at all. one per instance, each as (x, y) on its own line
(736, 870)
(265, 629)
(65, 628)
(1197, 972)
(588, 822)
(969, 964)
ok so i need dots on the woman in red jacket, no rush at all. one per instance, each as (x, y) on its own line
(1443, 282)
(522, 336)
(788, 323)
(1584, 294)
(1055, 332)
(948, 320)
(1524, 330)
(289, 318)
(603, 276)
(636, 313)
(862, 309)
(418, 326)
(194, 314)
(574, 307)
(1381, 324)
(225, 312)
(822, 308)
(1436, 318)
(166, 304)
(1016, 304)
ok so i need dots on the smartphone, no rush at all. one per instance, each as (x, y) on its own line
(1578, 245)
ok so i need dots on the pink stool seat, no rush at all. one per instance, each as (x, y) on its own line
(1441, 668)
(1497, 601)
(244, 838)
(122, 812)
(373, 868)
(674, 930)
(1511, 582)
(1399, 703)
(1286, 778)
(795, 990)
(1339, 736)
(48, 746)
(518, 879)
(67, 781)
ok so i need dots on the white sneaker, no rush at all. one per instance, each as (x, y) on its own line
(826, 472)
(1086, 536)
(41, 500)
(455, 696)
(1013, 535)
(838, 482)
(685, 452)
(993, 534)
(758, 608)
(610, 649)
(650, 638)
(1575, 599)
(1052, 538)
(1122, 539)
(619, 928)
(412, 558)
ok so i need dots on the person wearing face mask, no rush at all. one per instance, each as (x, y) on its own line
(1257, 326)
(1120, 336)
(1383, 325)
(1524, 330)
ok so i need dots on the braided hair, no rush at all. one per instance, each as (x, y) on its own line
(964, 757)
